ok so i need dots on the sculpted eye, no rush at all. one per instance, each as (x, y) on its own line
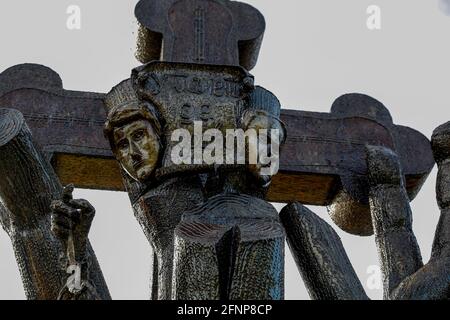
(138, 135)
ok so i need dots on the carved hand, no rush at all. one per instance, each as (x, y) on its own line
(71, 221)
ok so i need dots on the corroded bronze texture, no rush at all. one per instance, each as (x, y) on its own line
(405, 276)
(230, 248)
(214, 96)
(27, 188)
(158, 211)
(322, 260)
(322, 162)
(179, 95)
(320, 256)
(213, 234)
(199, 31)
(328, 152)
(134, 132)
(67, 125)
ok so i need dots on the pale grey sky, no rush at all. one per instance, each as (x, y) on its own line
(445, 6)
(313, 51)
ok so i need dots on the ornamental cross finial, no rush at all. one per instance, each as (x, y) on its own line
(219, 32)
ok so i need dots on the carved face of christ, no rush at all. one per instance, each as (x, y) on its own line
(137, 147)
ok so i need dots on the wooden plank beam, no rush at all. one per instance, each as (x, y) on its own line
(323, 154)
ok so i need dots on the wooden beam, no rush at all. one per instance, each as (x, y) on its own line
(324, 153)
(68, 125)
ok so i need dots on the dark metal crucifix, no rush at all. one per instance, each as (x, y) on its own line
(324, 161)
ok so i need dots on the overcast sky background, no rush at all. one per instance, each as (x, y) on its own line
(313, 51)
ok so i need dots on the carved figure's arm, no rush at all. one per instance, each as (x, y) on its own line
(320, 256)
(28, 184)
(405, 276)
(71, 221)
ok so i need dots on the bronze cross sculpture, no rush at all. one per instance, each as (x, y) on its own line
(213, 234)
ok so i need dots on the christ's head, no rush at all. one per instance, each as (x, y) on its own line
(137, 148)
(134, 133)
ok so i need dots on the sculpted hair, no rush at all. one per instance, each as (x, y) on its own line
(124, 106)
(274, 122)
(125, 115)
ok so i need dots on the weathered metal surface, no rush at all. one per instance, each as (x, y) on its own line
(405, 276)
(323, 162)
(230, 248)
(324, 152)
(320, 256)
(68, 125)
(172, 96)
(331, 144)
(214, 96)
(392, 218)
(199, 31)
(225, 240)
(71, 221)
(27, 187)
(159, 211)
(323, 262)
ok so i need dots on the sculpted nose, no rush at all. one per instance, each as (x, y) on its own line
(136, 157)
(135, 152)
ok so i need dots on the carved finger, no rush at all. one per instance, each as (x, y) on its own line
(61, 220)
(60, 231)
(67, 192)
(82, 204)
(320, 256)
(55, 204)
(61, 208)
(87, 211)
(398, 250)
